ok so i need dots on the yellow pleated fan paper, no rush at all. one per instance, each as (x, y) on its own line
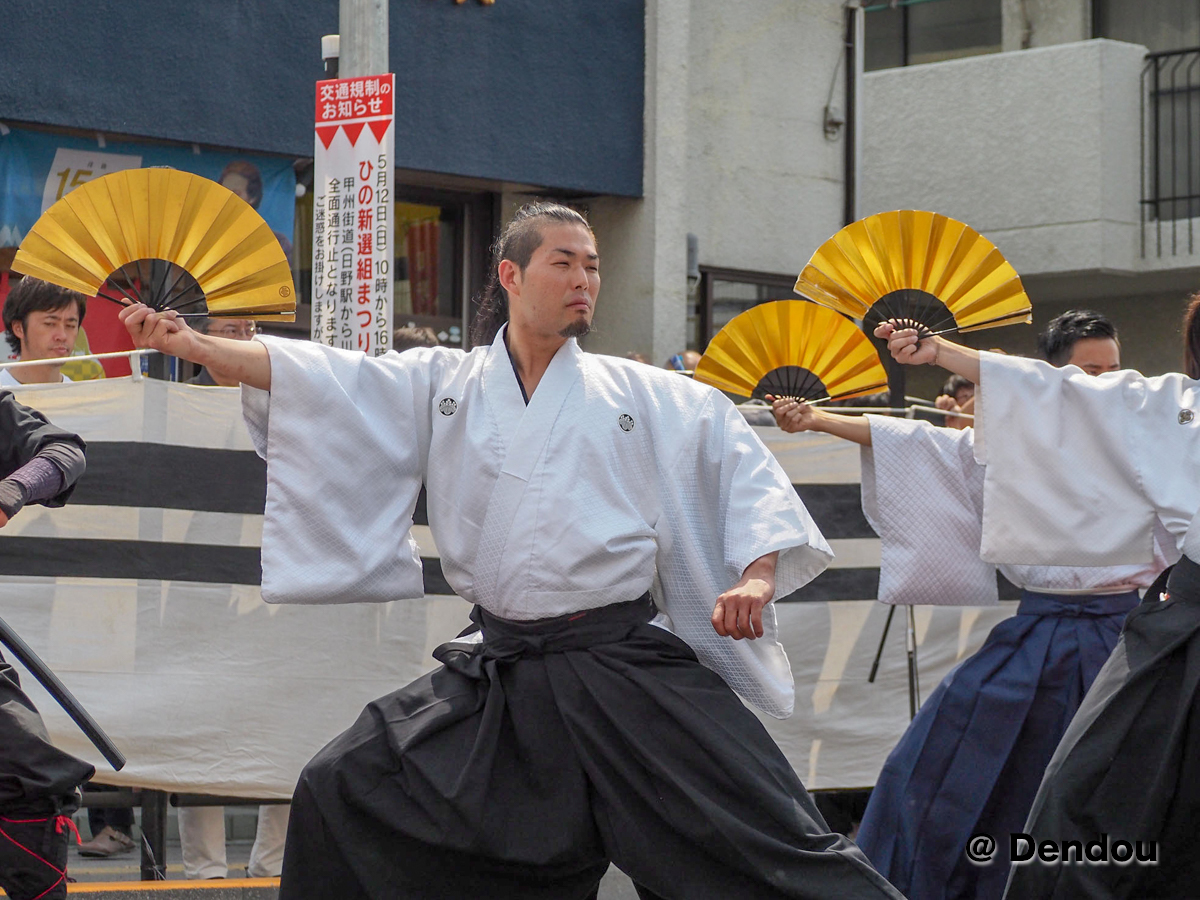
(921, 269)
(166, 238)
(791, 348)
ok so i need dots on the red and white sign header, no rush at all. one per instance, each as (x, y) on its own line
(352, 104)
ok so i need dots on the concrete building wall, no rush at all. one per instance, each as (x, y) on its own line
(643, 243)
(1038, 149)
(764, 183)
(735, 152)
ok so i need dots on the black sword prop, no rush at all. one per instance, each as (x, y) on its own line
(64, 697)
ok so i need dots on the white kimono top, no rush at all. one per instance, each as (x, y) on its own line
(923, 494)
(617, 477)
(1080, 468)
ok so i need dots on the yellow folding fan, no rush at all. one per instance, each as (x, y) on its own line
(791, 348)
(919, 269)
(166, 238)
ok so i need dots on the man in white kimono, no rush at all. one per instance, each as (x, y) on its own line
(584, 722)
(1088, 467)
(972, 759)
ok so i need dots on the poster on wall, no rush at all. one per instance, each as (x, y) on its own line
(352, 213)
(37, 169)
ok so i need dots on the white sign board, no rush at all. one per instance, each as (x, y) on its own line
(352, 214)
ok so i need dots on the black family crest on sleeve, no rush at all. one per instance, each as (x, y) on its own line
(448, 406)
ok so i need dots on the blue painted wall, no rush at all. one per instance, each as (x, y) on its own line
(544, 92)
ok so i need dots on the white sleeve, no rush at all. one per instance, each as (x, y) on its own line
(346, 439)
(922, 492)
(727, 502)
(1078, 467)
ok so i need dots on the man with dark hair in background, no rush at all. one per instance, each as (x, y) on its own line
(971, 761)
(414, 336)
(957, 396)
(1084, 338)
(38, 782)
(41, 321)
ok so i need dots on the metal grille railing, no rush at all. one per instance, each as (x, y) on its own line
(1171, 151)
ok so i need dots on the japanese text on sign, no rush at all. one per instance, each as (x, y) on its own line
(352, 220)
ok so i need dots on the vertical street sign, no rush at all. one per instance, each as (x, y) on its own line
(352, 214)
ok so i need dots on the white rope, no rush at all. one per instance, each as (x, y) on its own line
(63, 360)
(879, 410)
(135, 371)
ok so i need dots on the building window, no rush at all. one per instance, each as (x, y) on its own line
(1170, 29)
(909, 33)
(723, 293)
(442, 239)
(1159, 25)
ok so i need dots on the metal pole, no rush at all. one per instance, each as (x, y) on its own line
(154, 835)
(363, 27)
(882, 642)
(854, 73)
(914, 688)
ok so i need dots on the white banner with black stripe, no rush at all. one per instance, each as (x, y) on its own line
(143, 595)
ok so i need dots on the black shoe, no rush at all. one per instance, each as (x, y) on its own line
(33, 853)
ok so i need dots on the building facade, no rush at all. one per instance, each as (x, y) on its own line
(660, 118)
(1068, 132)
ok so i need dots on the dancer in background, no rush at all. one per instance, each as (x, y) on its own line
(39, 784)
(972, 759)
(1087, 466)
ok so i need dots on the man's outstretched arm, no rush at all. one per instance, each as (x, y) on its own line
(247, 361)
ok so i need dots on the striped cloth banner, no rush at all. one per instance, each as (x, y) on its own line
(143, 595)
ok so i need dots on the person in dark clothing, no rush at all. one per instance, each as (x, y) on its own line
(39, 784)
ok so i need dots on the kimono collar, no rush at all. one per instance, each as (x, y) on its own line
(569, 356)
(519, 423)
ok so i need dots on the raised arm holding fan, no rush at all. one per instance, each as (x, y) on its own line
(1088, 466)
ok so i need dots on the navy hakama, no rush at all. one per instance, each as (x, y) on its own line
(972, 759)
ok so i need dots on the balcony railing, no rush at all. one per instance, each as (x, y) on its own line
(1170, 151)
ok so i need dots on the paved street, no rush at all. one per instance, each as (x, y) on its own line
(616, 886)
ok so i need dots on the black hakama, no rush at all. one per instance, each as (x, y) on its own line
(38, 782)
(35, 776)
(526, 763)
(1128, 766)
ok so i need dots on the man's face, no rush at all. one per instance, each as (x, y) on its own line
(1096, 355)
(556, 294)
(231, 329)
(239, 184)
(234, 329)
(48, 334)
